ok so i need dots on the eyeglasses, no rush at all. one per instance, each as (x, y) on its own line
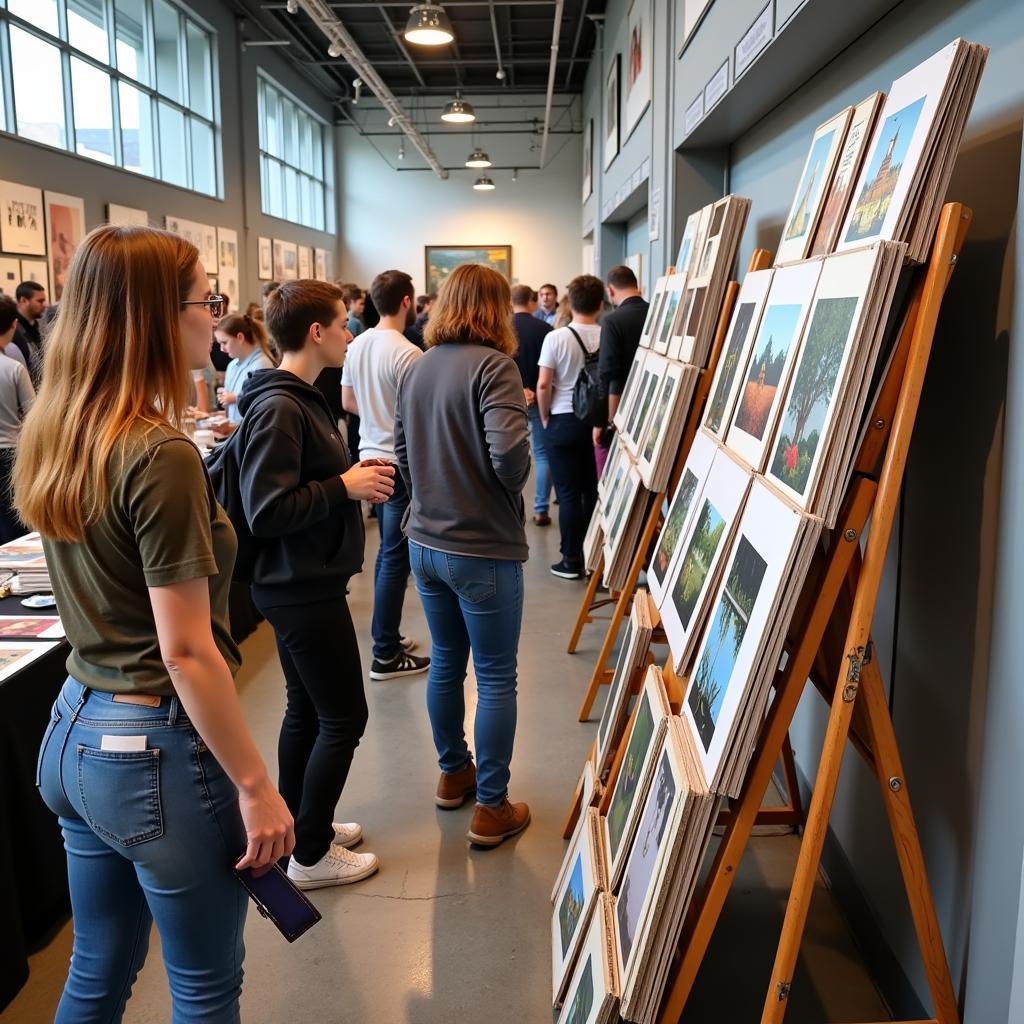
(215, 302)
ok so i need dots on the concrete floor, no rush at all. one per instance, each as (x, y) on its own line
(445, 933)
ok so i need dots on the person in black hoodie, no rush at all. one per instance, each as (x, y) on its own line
(301, 499)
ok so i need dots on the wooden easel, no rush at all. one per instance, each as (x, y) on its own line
(839, 601)
(622, 599)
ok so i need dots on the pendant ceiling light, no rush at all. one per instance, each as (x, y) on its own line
(484, 184)
(478, 158)
(458, 111)
(428, 25)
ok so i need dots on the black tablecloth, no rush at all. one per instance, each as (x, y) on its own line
(33, 871)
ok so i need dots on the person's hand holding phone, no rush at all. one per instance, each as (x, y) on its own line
(269, 829)
(371, 480)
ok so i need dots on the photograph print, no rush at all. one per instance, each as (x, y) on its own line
(582, 1001)
(630, 776)
(65, 226)
(611, 113)
(728, 628)
(882, 174)
(810, 396)
(729, 365)
(573, 904)
(638, 62)
(22, 229)
(643, 857)
(570, 910)
(595, 980)
(696, 563)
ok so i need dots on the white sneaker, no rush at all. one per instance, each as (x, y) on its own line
(348, 834)
(337, 866)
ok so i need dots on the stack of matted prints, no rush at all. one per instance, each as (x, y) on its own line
(24, 556)
(880, 170)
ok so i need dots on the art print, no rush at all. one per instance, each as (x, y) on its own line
(847, 169)
(611, 112)
(126, 216)
(441, 260)
(22, 229)
(686, 243)
(65, 227)
(884, 168)
(264, 259)
(35, 627)
(286, 261)
(305, 262)
(320, 264)
(595, 978)
(638, 62)
(36, 270)
(767, 373)
(10, 275)
(227, 263)
(15, 656)
(815, 180)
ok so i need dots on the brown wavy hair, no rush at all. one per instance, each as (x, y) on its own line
(474, 306)
(114, 358)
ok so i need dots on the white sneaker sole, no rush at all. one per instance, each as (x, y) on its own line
(323, 883)
(398, 675)
(567, 575)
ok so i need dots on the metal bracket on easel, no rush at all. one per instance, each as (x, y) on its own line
(858, 658)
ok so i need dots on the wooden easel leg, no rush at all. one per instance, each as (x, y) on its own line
(587, 606)
(707, 904)
(896, 796)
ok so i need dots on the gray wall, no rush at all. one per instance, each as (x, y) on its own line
(98, 184)
(958, 702)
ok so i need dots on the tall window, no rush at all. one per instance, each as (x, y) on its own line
(127, 82)
(296, 183)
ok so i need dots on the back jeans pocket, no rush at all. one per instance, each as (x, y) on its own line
(120, 793)
(473, 579)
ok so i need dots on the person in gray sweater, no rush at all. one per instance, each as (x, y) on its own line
(462, 446)
(16, 397)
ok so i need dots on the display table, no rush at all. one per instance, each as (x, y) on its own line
(33, 871)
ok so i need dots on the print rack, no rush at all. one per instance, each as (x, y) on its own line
(830, 640)
(622, 599)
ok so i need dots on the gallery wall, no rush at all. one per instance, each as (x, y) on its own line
(97, 184)
(952, 593)
(390, 214)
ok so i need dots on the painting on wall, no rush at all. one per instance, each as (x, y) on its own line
(320, 264)
(588, 160)
(21, 219)
(441, 260)
(227, 263)
(65, 228)
(127, 216)
(10, 275)
(611, 113)
(638, 62)
(286, 260)
(36, 270)
(264, 259)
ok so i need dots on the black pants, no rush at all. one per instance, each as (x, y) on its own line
(10, 525)
(570, 447)
(325, 715)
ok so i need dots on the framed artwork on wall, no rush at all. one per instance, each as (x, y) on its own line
(305, 262)
(127, 216)
(10, 275)
(265, 259)
(21, 219)
(37, 270)
(588, 160)
(611, 113)
(65, 228)
(441, 260)
(286, 260)
(638, 63)
(320, 264)
(227, 262)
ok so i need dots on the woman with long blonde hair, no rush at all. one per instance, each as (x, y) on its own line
(147, 761)
(462, 445)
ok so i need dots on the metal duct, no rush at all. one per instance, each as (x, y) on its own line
(336, 33)
(556, 33)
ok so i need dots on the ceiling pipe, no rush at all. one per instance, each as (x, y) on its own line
(552, 69)
(340, 38)
(500, 75)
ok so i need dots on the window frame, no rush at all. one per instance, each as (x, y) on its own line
(147, 89)
(292, 206)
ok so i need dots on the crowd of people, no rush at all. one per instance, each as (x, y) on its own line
(424, 407)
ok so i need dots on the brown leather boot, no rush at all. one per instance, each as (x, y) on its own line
(493, 825)
(455, 788)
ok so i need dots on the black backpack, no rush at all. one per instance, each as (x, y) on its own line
(588, 403)
(224, 466)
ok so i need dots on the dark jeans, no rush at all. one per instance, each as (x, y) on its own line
(570, 448)
(390, 575)
(324, 718)
(472, 604)
(10, 525)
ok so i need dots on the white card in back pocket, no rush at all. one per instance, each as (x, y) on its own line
(123, 743)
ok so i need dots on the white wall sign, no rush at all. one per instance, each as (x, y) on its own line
(755, 40)
(654, 216)
(717, 87)
(694, 114)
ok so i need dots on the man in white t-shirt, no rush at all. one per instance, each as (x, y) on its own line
(376, 362)
(568, 440)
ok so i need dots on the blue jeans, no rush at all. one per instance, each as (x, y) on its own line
(541, 470)
(390, 575)
(150, 835)
(472, 604)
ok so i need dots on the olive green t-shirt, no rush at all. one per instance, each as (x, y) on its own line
(162, 525)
